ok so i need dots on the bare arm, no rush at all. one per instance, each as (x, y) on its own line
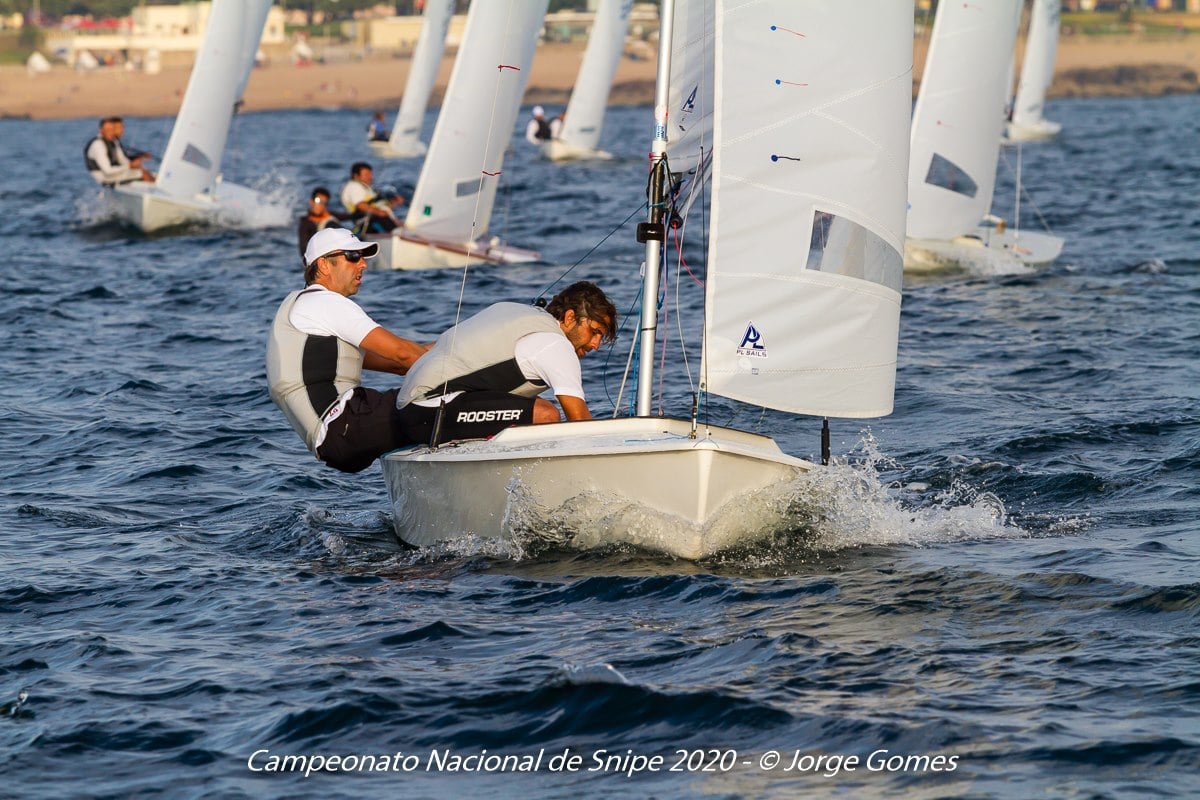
(387, 352)
(574, 407)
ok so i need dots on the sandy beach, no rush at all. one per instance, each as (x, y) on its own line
(1085, 67)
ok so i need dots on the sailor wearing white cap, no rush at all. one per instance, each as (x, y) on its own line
(538, 129)
(319, 344)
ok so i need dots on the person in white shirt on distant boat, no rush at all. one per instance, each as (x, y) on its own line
(108, 162)
(320, 342)
(538, 129)
(489, 369)
(368, 206)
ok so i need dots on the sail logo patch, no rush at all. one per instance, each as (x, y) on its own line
(752, 343)
(689, 105)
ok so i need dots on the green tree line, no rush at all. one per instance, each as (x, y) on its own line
(56, 9)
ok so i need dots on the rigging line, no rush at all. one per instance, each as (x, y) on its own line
(687, 365)
(1023, 192)
(666, 312)
(462, 288)
(616, 404)
(639, 210)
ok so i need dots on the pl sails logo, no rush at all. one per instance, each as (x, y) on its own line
(752, 345)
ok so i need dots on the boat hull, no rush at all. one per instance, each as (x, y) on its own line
(385, 150)
(639, 481)
(987, 250)
(403, 249)
(558, 150)
(150, 209)
(1031, 132)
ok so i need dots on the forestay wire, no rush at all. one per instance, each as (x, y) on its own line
(502, 71)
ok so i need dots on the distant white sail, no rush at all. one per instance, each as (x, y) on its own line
(808, 182)
(1037, 72)
(959, 116)
(192, 159)
(589, 99)
(457, 187)
(426, 58)
(254, 17)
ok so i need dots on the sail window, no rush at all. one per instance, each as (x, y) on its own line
(468, 187)
(844, 247)
(945, 173)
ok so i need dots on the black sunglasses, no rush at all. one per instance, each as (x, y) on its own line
(353, 256)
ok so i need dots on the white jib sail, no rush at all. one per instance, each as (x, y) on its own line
(959, 116)
(811, 135)
(426, 58)
(192, 158)
(589, 98)
(1037, 70)
(457, 186)
(689, 115)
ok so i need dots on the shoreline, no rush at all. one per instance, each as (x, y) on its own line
(1085, 67)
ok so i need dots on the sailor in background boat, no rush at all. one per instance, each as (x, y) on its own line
(371, 208)
(490, 368)
(538, 130)
(318, 217)
(377, 130)
(107, 160)
(556, 125)
(319, 344)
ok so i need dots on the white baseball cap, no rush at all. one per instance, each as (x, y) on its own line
(538, 111)
(327, 241)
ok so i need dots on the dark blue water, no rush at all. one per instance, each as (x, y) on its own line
(1000, 589)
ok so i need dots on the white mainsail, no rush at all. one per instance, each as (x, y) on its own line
(589, 99)
(405, 140)
(1037, 72)
(191, 161)
(811, 124)
(810, 134)
(188, 186)
(958, 118)
(456, 190)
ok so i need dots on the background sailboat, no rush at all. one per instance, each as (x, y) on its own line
(1037, 72)
(811, 113)
(188, 186)
(405, 141)
(451, 207)
(957, 123)
(580, 137)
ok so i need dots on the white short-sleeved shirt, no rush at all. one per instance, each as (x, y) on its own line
(326, 313)
(353, 193)
(549, 357)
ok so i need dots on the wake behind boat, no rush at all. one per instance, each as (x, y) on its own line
(189, 187)
(809, 330)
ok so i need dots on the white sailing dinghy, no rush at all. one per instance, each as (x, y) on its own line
(957, 124)
(811, 117)
(188, 187)
(405, 141)
(1037, 72)
(449, 212)
(580, 136)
